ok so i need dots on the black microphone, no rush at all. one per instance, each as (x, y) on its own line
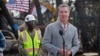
(61, 32)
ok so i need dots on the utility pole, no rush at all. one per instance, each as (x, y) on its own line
(58, 2)
(39, 14)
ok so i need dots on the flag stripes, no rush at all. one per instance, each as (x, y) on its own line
(20, 5)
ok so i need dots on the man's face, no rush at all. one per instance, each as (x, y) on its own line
(63, 14)
(31, 24)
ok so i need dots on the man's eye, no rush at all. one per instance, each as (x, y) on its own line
(61, 12)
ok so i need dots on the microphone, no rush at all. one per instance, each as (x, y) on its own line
(61, 33)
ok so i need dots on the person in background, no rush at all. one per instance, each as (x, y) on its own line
(61, 32)
(2, 43)
(29, 38)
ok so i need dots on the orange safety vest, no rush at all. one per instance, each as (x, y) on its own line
(29, 41)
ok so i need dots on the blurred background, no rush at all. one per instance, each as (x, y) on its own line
(85, 15)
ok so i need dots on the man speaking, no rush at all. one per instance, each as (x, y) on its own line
(57, 43)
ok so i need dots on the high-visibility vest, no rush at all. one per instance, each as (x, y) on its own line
(28, 43)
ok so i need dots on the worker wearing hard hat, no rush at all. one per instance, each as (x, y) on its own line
(30, 38)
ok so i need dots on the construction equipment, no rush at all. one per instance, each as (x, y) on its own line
(10, 36)
(11, 42)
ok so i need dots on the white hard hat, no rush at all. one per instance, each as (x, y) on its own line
(29, 17)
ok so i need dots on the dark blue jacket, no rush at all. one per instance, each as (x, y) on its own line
(2, 40)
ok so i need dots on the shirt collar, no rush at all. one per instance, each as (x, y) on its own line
(64, 26)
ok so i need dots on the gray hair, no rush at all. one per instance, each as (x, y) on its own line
(63, 5)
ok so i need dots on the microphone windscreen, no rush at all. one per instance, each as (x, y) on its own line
(61, 32)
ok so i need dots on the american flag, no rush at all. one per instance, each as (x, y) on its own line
(19, 5)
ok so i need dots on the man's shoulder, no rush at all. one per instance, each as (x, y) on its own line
(51, 24)
(23, 31)
(72, 26)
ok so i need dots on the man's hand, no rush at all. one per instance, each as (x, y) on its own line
(67, 52)
(60, 51)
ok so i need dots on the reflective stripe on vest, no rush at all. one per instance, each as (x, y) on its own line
(28, 45)
(31, 49)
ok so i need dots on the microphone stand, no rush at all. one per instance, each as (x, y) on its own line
(61, 33)
(63, 46)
